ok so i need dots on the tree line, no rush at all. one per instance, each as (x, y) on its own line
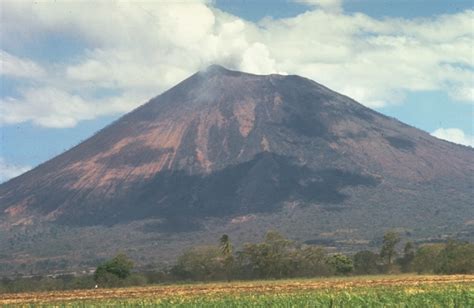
(275, 257)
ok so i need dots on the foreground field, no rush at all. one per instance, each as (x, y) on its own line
(375, 291)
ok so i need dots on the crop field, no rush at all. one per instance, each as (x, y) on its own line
(369, 291)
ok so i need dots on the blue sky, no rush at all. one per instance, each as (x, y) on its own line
(70, 68)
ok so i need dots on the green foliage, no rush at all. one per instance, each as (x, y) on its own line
(311, 261)
(388, 250)
(226, 246)
(342, 264)
(455, 258)
(111, 272)
(406, 262)
(269, 259)
(365, 263)
(274, 257)
(199, 263)
(426, 258)
(227, 256)
(41, 283)
(278, 257)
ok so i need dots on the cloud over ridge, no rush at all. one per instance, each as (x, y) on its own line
(8, 171)
(454, 135)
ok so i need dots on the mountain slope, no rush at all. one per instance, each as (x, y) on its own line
(237, 147)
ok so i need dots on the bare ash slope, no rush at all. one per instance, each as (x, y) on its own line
(234, 146)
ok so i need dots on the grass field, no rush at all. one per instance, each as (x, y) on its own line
(370, 291)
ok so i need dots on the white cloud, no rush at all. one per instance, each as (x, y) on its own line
(463, 93)
(50, 107)
(146, 47)
(8, 171)
(18, 67)
(257, 59)
(454, 135)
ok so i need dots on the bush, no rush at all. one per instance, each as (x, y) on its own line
(426, 258)
(270, 259)
(200, 263)
(365, 263)
(310, 261)
(455, 258)
(341, 264)
(112, 272)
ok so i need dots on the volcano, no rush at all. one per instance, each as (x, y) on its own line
(236, 152)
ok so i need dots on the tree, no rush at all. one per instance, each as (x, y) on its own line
(310, 261)
(342, 264)
(426, 258)
(226, 246)
(227, 256)
(456, 258)
(269, 259)
(199, 263)
(406, 262)
(278, 257)
(388, 252)
(110, 272)
(365, 262)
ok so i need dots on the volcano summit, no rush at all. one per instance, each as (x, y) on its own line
(226, 151)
